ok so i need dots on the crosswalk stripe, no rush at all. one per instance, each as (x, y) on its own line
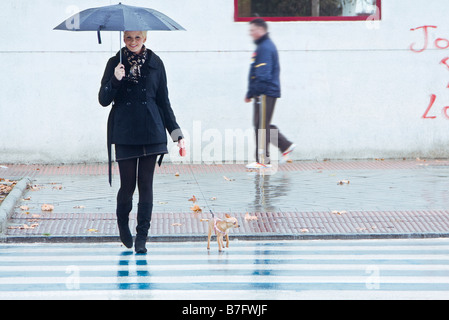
(229, 279)
(202, 267)
(270, 249)
(263, 270)
(198, 257)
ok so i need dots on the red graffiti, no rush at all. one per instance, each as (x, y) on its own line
(444, 61)
(426, 38)
(439, 43)
(444, 111)
(432, 101)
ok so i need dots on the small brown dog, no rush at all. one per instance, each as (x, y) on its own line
(221, 228)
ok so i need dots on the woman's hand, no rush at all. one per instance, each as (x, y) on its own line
(119, 72)
(182, 147)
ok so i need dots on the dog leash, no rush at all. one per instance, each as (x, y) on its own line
(202, 194)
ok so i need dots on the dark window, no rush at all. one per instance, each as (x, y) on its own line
(307, 10)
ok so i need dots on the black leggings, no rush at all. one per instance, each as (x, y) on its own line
(140, 169)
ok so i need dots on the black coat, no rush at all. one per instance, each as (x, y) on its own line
(140, 111)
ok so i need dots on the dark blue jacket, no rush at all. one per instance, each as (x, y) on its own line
(265, 70)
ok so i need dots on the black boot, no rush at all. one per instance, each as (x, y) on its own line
(144, 211)
(123, 210)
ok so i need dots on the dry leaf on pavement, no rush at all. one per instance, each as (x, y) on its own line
(248, 217)
(47, 207)
(339, 212)
(24, 226)
(196, 208)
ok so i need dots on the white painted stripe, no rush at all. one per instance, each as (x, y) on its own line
(372, 243)
(226, 256)
(224, 295)
(239, 249)
(213, 267)
(228, 279)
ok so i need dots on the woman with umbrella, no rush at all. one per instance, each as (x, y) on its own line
(135, 83)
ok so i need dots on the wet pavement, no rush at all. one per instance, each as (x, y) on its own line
(333, 198)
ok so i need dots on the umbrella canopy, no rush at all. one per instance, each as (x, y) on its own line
(119, 17)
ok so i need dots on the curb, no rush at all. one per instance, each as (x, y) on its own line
(7, 206)
(242, 237)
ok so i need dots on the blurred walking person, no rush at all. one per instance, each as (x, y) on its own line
(265, 88)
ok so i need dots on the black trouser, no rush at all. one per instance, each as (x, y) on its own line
(281, 142)
(140, 170)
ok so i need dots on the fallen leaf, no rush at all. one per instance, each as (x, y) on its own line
(227, 179)
(47, 207)
(92, 230)
(196, 208)
(304, 230)
(213, 198)
(36, 187)
(24, 226)
(339, 212)
(177, 174)
(24, 208)
(32, 226)
(194, 199)
(57, 187)
(341, 182)
(248, 217)
(204, 219)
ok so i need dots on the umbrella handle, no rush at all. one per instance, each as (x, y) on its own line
(120, 42)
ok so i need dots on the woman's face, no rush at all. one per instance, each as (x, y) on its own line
(134, 41)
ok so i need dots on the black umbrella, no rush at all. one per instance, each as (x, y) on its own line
(119, 17)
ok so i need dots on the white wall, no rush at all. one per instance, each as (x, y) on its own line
(348, 90)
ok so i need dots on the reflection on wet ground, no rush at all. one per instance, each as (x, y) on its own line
(414, 189)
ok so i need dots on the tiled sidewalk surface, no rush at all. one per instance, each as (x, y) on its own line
(300, 200)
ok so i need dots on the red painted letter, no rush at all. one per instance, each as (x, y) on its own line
(444, 61)
(444, 112)
(437, 43)
(432, 101)
(426, 38)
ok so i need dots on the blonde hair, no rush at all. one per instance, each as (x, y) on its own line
(143, 33)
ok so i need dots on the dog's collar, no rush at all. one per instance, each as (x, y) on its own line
(215, 226)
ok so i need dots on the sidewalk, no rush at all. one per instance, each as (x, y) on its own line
(300, 200)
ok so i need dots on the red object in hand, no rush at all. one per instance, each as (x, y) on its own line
(182, 152)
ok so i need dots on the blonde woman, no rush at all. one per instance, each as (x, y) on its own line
(141, 111)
